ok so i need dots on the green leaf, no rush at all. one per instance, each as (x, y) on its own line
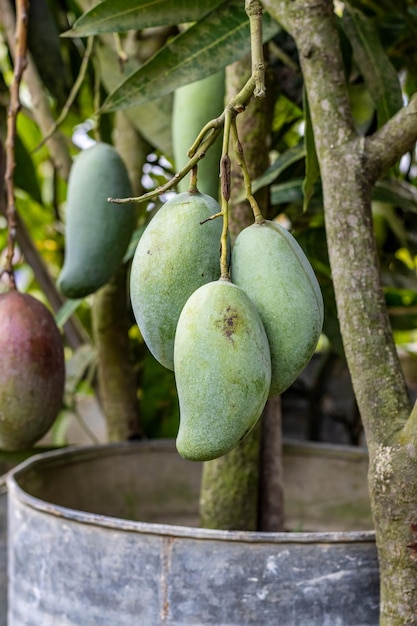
(83, 358)
(312, 173)
(121, 15)
(287, 158)
(376, 68)
(25, 173)
(44, 45)
(289, 192)
(153, 119)
(396, 192)
(67, 309)
(220, 38)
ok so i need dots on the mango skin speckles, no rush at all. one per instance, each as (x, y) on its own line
(222, 370)
(271, 267)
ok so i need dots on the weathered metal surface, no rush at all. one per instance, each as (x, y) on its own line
(77, 558)
(326, 487)
(3, 552)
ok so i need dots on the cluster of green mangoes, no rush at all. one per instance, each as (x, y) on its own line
(232, 343)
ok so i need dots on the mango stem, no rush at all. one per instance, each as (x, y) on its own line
(225, 172)
(240, 159)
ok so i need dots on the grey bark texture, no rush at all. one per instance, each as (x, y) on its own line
(349, 167)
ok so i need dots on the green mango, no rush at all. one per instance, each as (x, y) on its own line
(175, 255)
(222, 370)
(271, 267)
(32, 370)
(194, 105)
(97, 231)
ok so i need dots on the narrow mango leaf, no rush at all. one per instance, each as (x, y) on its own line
(220, 38)
(376, 68)
(121, 15)
(312, 170)
(291, 191)
(396, 192)
(287, 158)
(83, 358)
(153, 119)
(25, 173)
(45, 47)
(67, 309)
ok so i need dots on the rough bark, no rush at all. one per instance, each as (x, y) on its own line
(243, 489)
(349, 167)
(229, 487)
(116, 376)
(271, 508)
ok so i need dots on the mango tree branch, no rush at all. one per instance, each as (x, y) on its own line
(240, 159)
(348, 167)
(199, 154)
(253, 9)
(20, 64)
(204, 141)
(347, 181)
(398, 136)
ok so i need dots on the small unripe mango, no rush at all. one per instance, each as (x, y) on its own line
(194, 105)
(97, 232)
(175, 255)
(271, 267)
(222, 370)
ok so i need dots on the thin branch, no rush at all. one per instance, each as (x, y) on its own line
(254, 10)
(178, 176)
(204, 141)
(398, 136)
(20, 64)
(240, 158)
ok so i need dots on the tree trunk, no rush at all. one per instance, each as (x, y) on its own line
(349, 167)
(229, 487)
(116, 376)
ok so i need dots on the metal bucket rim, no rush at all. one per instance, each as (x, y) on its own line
(86, 453)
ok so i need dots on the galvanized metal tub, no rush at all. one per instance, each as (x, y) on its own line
(3, 551)
(94, 541)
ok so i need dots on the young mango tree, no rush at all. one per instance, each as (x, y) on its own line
(350, 164)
